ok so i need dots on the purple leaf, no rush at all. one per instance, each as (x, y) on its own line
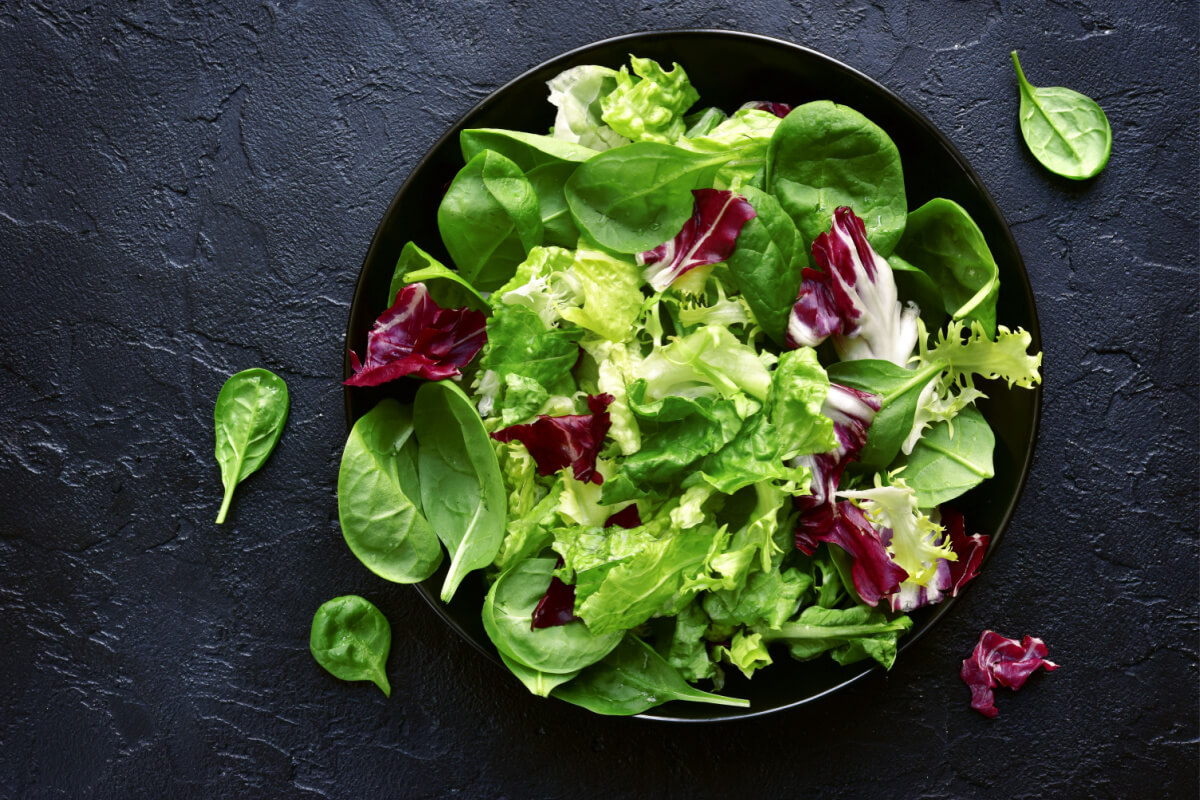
(706, 238)
(569, 441)
(557, 607)
(780, 110)
(998, 661)
(949, 576)
(627, 517)
(855, 287)
(417, 337)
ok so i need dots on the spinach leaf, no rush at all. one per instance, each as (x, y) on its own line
(489, 219)
(248, 418)
(539, 683)
(462, 490)
(950, 458)
(767, 263)
(632, 679)
(913, 284)
(526, 150)
(378, 489)
(449, 290)
(1065, 130)
(636, 197)
(943, 240)
(507, 618)
(350, 638)
(548, 181)
(899, 389)
(852, 634)
(823, 156)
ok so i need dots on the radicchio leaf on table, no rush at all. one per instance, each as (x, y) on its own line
(706, 238)
(572, 441)
(999, 661)
(417, 337)
(855, 287)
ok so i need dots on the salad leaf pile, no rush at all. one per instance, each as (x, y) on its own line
(698, 386)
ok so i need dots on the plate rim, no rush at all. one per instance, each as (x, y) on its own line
(940, 610)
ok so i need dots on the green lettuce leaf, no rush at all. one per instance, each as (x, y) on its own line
(708, 361)
(747, 134)
(798, 389)
(577, 93)
(652, 108)
(848, 635)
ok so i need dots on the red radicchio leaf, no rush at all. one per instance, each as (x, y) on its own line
(570, 441)
(969, 549)
(627, 517)
(706, 238)
(874, 573)
(998, 661)
(853, 298)
(780, 110)
(557, 607)
(417, 337)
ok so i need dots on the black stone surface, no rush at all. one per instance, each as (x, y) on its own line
(187, 189)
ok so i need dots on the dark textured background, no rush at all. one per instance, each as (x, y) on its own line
(187, 189)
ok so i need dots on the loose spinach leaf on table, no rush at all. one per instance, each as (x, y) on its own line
(634, 198)
(489, 220)
(351, 638)
(508, 620)
(898, 389)
(825, 155)
(950, 458)
(767, 262)
(378, 492)
(249, 416)
(462, 491)
(632, 679)
(446, 287)
(1065, 130)
(947, 245)
(526, 150)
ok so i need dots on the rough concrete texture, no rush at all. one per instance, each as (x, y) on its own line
(188, 188)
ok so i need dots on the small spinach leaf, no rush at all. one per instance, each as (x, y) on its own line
(507, 618)
(824, 155)
(1065, 130)
(449, 289)
(489, 220)
(950, 458)
(767, 263)
(899, 389)
(539, 683)
(943, 240)
(377, 484)
(548, 181)
(636, 197)
(632, 679)
(462, 491)
(351, 638)
(249, 416)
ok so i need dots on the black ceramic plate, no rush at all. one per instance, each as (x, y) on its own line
(728, 69)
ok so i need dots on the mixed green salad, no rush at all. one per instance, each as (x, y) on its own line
(697, 389)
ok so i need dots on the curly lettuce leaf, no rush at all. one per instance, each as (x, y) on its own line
(747, 134)
(577, 94)
(649, 107)
(708, 361)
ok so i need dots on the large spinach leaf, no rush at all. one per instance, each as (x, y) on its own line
(489, 219)
(947, 245)
(636, 197)
(632, 679)
(507, 618)
(824, 155)
(462, 491)
(898, 389)
(351, 638)
(1065, 130)
(950, 458)
(378, 489)
(767, 263)
(526, 150)
(248, 418)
